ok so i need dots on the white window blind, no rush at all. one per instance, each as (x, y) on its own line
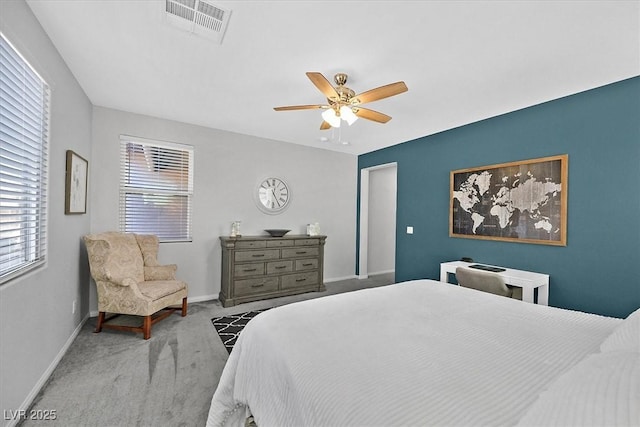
(24, 123)
(156, 188)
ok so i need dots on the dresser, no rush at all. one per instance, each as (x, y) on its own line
(261, 267)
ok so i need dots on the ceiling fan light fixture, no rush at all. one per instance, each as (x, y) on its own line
(330, 117)
(342, 102)
(348, 115)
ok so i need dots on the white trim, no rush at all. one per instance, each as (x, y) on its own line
(363, 261)
(337, 279)
(45, 376)
(203, 298)
(373, 273)
(363, 267)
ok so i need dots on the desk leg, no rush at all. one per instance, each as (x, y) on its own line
(543, 294)
(444, 275)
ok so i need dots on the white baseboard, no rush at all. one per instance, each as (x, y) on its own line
(373, 273)
(203, 298)
(45, 376)
(337, 279)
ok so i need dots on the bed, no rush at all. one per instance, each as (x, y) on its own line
(429, 353)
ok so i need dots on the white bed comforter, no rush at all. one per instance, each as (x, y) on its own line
(415, 353)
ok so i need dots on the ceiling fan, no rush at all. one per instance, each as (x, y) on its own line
(343, 103)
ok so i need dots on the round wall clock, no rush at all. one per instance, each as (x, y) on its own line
(273, 195)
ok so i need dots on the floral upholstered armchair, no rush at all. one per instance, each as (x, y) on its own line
(130, 281)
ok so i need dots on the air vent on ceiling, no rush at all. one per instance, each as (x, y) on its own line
(199, 17)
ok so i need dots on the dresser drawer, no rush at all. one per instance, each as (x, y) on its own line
(251, 244)
(308, 242)
(306, 264)
(257, 255)
(278, 243)
(298, 280)
(299, 252)
(275, 267)
(252, 269)
(254, 286)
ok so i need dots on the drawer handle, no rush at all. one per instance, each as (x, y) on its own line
(250, 269)
(300, 280)
(301, 252)
(280, 267)
(257, 255)
(258, 286)
(307, 264)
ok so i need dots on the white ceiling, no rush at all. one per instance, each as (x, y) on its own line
(463, 61)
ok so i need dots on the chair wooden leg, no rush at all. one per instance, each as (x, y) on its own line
(100, 322)
(146, 327)
(147, 323)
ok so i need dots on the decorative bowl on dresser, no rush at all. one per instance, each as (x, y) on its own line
(277, 232)
(261, 267)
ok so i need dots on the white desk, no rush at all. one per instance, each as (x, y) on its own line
(526, 280)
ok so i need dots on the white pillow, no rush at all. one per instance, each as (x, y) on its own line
(626, 336)
(601, 390)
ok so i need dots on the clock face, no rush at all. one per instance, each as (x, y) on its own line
(273, 195)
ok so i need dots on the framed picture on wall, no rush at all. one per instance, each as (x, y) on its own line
(523, 201)
(75, 195)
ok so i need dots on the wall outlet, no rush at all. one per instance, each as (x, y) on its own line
(73, 307)
(409, 229)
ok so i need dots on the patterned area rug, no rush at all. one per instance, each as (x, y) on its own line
(230, 326)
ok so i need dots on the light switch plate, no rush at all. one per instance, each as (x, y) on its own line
(409, 229)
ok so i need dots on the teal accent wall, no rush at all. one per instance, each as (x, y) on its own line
(599, 269)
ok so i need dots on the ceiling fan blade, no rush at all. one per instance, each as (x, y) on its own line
(365, 113)
(325, 126)
(300, 107)
(323, 84)
(380, 93)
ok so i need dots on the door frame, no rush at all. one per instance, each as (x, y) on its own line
(363, 258)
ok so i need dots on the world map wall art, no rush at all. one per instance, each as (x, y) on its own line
(523, 201)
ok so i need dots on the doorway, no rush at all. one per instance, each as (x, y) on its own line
(378, 195)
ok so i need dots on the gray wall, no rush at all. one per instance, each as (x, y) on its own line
(36, 319)
(228, 167)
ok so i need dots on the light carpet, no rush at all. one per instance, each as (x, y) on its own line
(118, 379)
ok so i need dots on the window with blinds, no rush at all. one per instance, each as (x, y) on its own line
(24, 123)
(156, 188)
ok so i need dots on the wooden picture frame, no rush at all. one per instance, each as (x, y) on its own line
(523, 201)
(75, 195)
